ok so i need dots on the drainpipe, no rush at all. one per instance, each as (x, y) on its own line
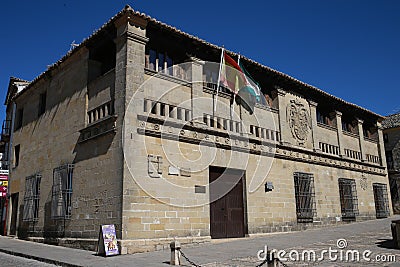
(10, 155)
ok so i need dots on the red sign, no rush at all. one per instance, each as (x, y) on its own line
(3, 185)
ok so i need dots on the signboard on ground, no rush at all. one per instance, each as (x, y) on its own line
(107, 243)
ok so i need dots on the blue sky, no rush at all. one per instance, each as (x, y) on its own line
(348, 48)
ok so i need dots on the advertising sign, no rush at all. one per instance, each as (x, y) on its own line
(107, 243)
(3, 185)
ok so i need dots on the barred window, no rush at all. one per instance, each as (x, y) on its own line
(62, 192)
(305, 197)
(348, 198)
(381, 200)
(31, 198)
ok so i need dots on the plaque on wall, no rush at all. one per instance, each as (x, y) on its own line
(107, 243)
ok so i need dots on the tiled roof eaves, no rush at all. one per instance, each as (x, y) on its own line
(391, 121)
(127, 8)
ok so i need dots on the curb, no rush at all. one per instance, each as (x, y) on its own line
(41, 259)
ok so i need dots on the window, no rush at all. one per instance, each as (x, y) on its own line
(381, 200)
(31, 198)
(42, 104)
(17, 149)
(324, 118)
(385, 138)
(348, 198)
(305, 197)
(62, 192)
(19, 118)
(389, 160)
(161, 62)
(152, 59)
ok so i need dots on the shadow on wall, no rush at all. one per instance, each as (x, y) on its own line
(52, 229)
(93, 148)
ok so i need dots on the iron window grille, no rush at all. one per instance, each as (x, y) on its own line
(31, 198)
(62, 192)
(305, 197)
(381, 200)
(348, 198)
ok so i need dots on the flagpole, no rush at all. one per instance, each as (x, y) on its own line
(234, 95)
(218, 81)
(240, 106)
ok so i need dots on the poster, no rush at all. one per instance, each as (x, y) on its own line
(107, 240)
(3, 185)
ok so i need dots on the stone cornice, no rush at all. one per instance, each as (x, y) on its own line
(136, 37)
(185, 132)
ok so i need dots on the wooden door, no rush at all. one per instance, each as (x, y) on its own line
(227, 206)
(14, 213)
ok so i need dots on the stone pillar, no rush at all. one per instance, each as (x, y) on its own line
(313, 113)
(381, 145)
(283, 125)
(196, 79)
(339, 132)
(129, 76)
(361, 139)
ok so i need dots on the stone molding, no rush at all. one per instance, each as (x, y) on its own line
(175, 130)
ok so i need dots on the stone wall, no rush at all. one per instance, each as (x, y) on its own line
(56, 138)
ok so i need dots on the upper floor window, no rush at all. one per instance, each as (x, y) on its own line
(160, 61)
(42, 104)
(349, 127)
(17, 149)
(19, 118)
(370, 132)
(385, 138)
(102, 57)
(389, 160)
(324, 118)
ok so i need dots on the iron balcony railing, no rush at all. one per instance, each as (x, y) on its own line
(6, 129)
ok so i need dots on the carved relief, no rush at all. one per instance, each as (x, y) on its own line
(299, 120)
(364, 183)
(154, 166)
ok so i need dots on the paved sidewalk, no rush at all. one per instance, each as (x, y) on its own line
(370, 235)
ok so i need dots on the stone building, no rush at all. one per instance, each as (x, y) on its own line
(391, 137)
(129, 129)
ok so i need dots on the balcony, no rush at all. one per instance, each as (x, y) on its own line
(6, 131)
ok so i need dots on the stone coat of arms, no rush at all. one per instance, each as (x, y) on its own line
(299, 120)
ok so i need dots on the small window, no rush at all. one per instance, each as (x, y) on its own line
(42, 104)
(16, 155)
(19, 118)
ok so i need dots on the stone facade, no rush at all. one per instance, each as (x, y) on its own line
(391, 129)
(145, 138)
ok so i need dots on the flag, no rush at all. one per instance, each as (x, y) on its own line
(250, 93)
(235, 77)
(231, 76)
